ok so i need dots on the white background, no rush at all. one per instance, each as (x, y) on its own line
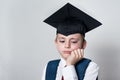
(27, 43)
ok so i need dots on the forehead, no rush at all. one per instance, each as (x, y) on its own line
(74, 36)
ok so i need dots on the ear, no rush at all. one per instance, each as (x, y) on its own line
(84, 44)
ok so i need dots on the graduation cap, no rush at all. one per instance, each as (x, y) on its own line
(70, 20)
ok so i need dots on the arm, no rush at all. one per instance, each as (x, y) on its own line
(69, 71)
(91, 71)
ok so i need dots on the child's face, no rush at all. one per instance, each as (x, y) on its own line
(66, 44)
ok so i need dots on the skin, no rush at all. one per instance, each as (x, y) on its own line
(70, 47)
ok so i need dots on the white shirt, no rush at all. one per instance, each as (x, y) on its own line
(69, 72)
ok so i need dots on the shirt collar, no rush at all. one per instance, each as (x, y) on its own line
(63, 62)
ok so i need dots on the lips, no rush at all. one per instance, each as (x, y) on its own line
(67, 52)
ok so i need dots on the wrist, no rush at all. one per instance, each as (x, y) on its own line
(69, 64)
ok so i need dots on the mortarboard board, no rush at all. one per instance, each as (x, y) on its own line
(69, 20)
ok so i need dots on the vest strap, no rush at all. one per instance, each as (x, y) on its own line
(51, 69)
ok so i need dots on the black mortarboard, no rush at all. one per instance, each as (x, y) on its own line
(69, 20)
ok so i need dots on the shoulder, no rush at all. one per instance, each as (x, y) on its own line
(88, 64)
(54, 62)
(92, 68)
(92, 65)
(91, 71)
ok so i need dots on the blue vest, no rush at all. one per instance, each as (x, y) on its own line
(80, 67)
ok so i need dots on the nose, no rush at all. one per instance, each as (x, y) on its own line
(67, 45)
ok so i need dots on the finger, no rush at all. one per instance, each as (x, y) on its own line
(82, 52)
(79, 53)
(76, 53)
(73, 54)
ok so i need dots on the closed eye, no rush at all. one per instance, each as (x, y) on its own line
(61, 41)
(74, 41)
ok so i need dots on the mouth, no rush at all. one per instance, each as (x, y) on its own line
(67, 52)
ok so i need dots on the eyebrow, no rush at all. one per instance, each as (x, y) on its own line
(75, 39)
(61, 38)
(70, 38)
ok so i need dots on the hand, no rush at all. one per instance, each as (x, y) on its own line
(75, 56)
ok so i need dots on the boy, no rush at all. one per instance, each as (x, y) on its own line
(71, 24)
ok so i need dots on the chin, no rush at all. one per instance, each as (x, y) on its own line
(66, 56)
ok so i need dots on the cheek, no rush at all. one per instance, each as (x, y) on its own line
(76, 46)
(59, 47)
